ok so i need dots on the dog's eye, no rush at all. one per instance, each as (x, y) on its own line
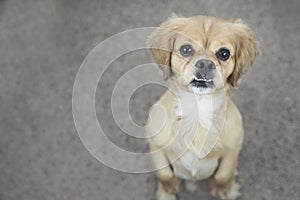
(223, 54)
(186, 50)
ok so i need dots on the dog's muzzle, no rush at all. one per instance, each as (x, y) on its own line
(204, 74)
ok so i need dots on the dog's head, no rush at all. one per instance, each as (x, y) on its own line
(202, 54)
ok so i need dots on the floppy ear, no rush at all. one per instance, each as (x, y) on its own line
(161, 43)
(246, 50)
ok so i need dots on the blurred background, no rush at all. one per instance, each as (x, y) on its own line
(42, 44)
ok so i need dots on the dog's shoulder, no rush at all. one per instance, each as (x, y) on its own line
(233, 133)
(158, 126)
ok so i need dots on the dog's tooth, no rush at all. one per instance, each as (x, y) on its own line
(200, 79)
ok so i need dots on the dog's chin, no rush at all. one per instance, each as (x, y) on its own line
(201, 90)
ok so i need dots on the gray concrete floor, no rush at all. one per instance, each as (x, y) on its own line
(42, 44)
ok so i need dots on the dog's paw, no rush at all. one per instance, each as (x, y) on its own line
(167, 189)
(191, 186)
(171, 186)
(228, 191)
(165, 196)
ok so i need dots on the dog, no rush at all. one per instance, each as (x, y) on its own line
(195, 130)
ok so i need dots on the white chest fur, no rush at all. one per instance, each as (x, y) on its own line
(190, 167)
(198, 111)
(199, 108)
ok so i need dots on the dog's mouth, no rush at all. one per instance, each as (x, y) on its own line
(200, 82)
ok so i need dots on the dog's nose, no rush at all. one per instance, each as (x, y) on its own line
(206, 65)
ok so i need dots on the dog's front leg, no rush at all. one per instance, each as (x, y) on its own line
(168, 184)
(223, 184)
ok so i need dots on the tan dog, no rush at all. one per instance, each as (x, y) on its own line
(196, 130)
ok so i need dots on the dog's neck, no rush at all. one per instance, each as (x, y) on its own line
(202, 117)
(204, 105)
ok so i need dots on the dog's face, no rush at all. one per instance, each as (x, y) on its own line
(202, 54)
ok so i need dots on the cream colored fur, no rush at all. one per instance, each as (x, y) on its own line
(199, 131)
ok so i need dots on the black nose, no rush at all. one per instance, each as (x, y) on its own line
(206, 65)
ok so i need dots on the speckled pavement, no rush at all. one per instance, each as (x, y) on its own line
(42, 44)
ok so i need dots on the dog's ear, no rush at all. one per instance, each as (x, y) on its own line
(246, 50)
(161, 43)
